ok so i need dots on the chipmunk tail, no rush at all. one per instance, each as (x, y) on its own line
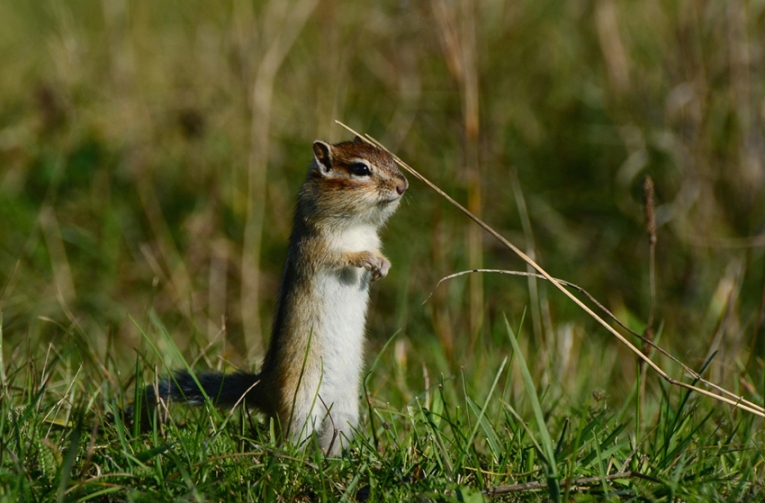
(224, 390)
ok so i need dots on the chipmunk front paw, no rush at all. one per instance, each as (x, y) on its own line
(376, 264)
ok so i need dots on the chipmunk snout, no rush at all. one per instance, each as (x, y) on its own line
(401, 186)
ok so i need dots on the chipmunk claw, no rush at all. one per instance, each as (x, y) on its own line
(377, 265)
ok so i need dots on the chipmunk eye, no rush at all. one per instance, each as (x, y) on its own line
(359, 169)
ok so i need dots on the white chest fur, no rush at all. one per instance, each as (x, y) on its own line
(354, 239)
(344, 295)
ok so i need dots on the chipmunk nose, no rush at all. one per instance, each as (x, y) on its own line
(402, 186)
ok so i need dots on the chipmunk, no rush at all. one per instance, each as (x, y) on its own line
(311, 375)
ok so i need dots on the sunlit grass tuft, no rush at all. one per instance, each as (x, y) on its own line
(449, 441)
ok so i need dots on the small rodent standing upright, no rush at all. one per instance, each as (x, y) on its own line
(311, 375)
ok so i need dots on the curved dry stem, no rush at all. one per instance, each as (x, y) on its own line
(734, 400)
(608, 313)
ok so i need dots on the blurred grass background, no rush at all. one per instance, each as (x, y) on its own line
(151, 152)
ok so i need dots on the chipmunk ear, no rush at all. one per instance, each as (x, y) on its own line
(358, 139)
(322, 154)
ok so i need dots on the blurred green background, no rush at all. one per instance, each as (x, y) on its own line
(151, 153)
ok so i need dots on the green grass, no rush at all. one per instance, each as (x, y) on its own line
(150, 154)
(449, 442)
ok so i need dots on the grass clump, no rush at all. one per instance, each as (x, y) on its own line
(62, 441)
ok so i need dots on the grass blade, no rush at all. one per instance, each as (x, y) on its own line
(477, 425)
(548, 449)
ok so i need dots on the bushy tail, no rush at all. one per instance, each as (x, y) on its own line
(225, 390)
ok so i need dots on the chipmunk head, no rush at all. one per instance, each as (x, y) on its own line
(354, 180)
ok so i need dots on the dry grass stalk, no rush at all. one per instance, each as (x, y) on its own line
(647, 342)
(275, 52)
(649, 210)
(759, 325)
(456, 25)
(573, 484)
(441, 314)
(724, 396)
(614, 52)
